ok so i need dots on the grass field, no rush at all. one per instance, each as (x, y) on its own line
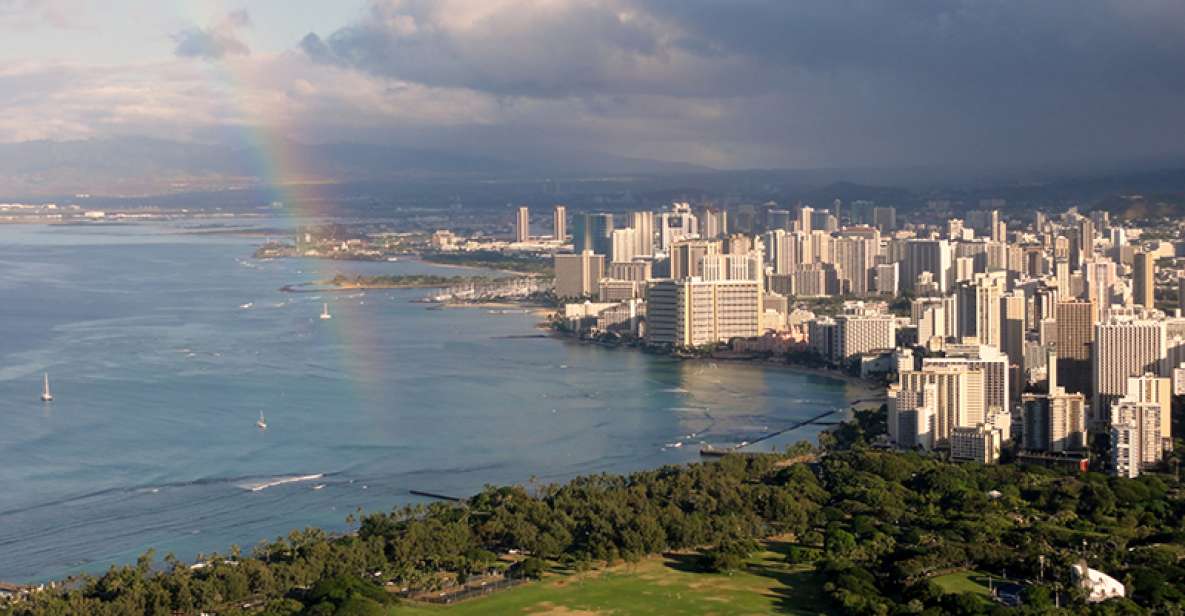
(658, 585)
(963, 581)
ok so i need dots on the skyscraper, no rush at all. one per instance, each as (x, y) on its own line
(559, 223)
(959, 400)
(1144, 280)
(804, 219)
(522, 227)
(643, 224)
(1075, 333)
(577, 275)
(1123, 347)
(593, 232)
(624, 245)
(926, 256)
(979, 308)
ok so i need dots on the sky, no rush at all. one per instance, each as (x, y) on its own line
(721, 83)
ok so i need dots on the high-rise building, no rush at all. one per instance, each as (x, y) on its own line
(1144, 280)
(693, 312)
(676, 225)
(1013, 308)
(854, 256)
(860, 329)
(778, 219)
(1181, 293)
(1124, 346)
(959, 400)
(884, 219)
(593, 232)
(522, 226)
(1075, 334)
(1152, 389)
(578, 275)
(912, 415)
(804, 219)
(979, 307)
(927, 256)
(687, 257)
(981, 358)
(559, 223)
(637, 271)
(643, 224)
(887, 278)
(1136, 440)
(980, 443)
(1054, 421)
(624, 245)
(934, 317)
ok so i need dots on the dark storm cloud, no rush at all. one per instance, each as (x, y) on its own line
(216, 41)
(818, 81)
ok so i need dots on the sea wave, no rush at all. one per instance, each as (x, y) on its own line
(278, 481)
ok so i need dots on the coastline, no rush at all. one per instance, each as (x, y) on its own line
(872, 394)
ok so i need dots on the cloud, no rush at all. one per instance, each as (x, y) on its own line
(62, 14)
(218, 40)
(809, 82)
(755, 83)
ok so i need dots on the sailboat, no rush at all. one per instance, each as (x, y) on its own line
(325, 316)
(262, 423)
(45, 395)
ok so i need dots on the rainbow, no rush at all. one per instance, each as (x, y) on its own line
(293, 183)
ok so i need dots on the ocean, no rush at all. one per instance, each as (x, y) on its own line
(164, 343)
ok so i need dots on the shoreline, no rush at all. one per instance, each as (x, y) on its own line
(869, 390)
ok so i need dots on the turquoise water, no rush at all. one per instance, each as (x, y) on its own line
(159, 376)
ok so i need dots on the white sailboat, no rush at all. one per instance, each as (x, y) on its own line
(45, 395)
(262, 423)
(325, 316)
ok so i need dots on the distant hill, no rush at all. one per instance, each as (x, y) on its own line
(133, 166)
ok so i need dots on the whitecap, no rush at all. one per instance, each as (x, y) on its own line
(278, 481)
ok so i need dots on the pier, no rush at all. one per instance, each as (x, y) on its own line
(434, 495)
(716, 452)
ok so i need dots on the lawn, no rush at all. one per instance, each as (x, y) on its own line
(963, 581)
(657, 585)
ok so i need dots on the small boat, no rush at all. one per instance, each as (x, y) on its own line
(45, 395)
(676, 444)
(325, 316)
(247, 306)
(262, 423)
(318, 486)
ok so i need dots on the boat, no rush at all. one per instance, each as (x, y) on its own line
(262, 423)
(247, 306)
(675, 445)
(45, 395)
(325, 316)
